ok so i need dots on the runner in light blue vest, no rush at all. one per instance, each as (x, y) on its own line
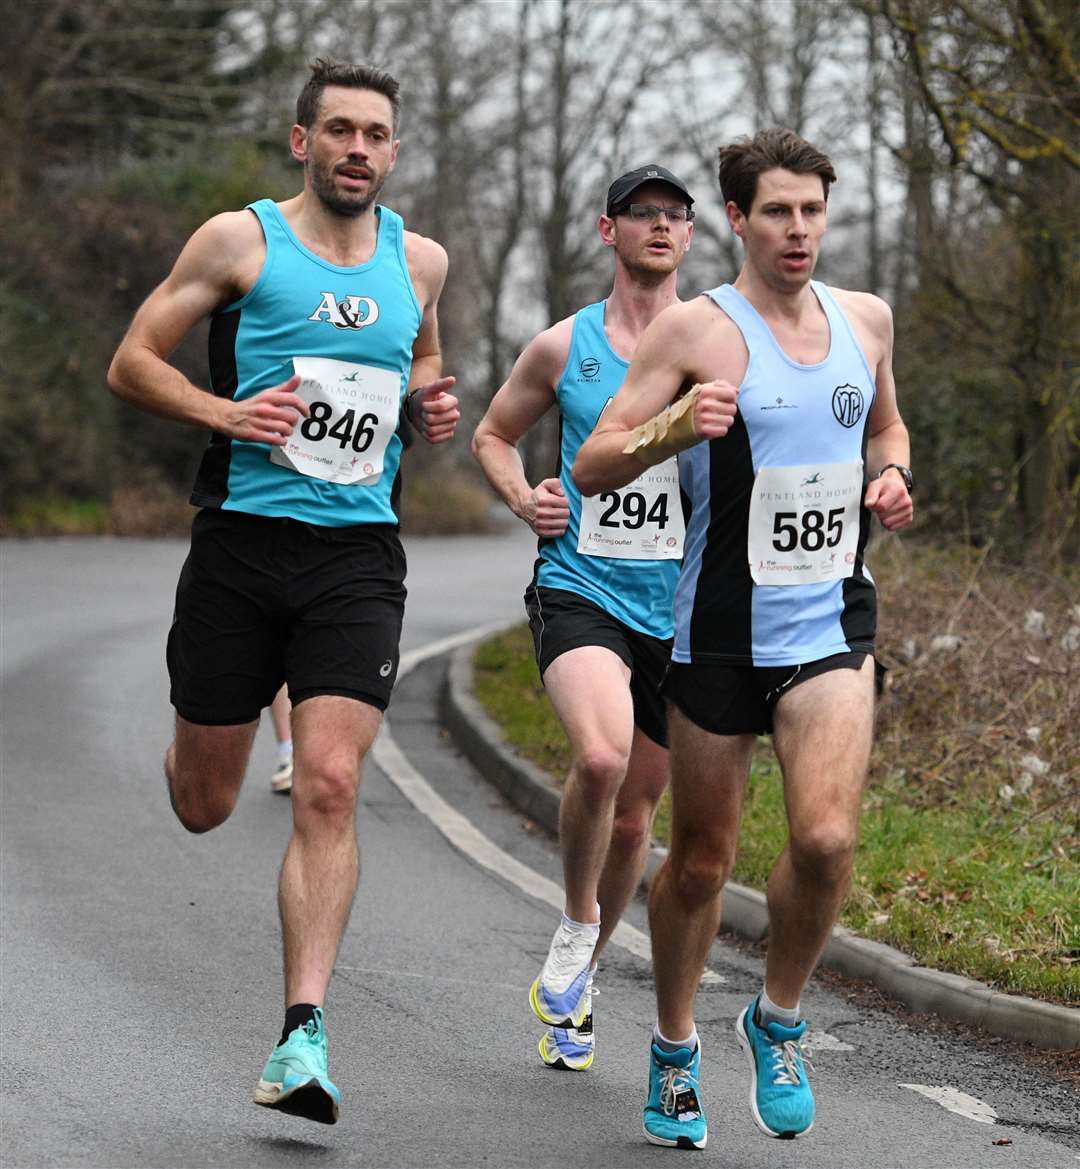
(323, 315)
(791, 385)
(600, 601)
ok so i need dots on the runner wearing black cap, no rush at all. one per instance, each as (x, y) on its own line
(600, 602)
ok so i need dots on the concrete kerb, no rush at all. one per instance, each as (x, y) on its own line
(923, 990)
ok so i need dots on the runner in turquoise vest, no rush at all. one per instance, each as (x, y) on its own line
(791, 385)
(599, 604)
(323, 324)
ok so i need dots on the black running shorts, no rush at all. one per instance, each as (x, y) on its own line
(561, 620)
(740, 700)
(263, 601)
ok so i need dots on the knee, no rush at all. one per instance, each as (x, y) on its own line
(600, 770)
(325, 793)
(198, 811)
(630, 830)
(198, 806)
(699, 873)
(824, 853)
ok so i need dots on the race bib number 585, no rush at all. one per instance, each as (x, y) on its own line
(804, 523)
(354, 413)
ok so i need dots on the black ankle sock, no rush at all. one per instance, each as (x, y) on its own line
(296, 1016)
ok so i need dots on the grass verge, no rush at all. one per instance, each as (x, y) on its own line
(969, 848)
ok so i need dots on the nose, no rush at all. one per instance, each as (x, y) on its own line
(798, 225)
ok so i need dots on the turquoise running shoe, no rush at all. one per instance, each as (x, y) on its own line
(673, 1114)
(295, 1078)
(571, 1048)
(780, 1098)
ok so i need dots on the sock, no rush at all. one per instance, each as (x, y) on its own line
(768, 1012)
(673, 1045)
(296, 1016)
(284, 751)
(585, 926)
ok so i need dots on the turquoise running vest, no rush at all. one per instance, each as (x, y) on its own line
(778, 499)
(636, 592)
(359, 324)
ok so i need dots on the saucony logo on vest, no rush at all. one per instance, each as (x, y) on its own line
(354, 312)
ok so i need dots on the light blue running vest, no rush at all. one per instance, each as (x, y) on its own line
(636, 592)
(788, 415)
(304, 306)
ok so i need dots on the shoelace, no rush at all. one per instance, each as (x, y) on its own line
(786, 1057)
(676, 1082)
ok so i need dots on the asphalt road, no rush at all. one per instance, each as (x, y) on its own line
(140, 965)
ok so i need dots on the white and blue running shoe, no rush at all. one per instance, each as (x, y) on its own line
(558, 996)
(781, 1101)
(571, 1048)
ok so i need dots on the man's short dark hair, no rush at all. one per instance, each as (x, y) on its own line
(746, 158)
(324, 73)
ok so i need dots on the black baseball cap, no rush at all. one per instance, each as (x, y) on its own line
(624, 186)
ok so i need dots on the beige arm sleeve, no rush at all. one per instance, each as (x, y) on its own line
(665, 434)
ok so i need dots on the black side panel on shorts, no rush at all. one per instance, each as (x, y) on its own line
(731, 477)
(211, 487)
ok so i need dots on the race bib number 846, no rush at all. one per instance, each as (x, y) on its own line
(354, 413)
(804, 523)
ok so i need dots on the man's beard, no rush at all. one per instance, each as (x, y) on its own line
(348, 204)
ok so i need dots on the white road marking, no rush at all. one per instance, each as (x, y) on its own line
(394, 974)
(461, 832)
(823, 1041)
(953, 1100)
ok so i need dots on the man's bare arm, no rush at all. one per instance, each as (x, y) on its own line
(527, 394)
(886, 493)
(429, 405)
(668, 360)
(207, 274)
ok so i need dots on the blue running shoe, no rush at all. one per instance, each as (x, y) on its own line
(780, 1097)
(673, 1113)
(558, 996)
(571, 1048)
(295, 1078)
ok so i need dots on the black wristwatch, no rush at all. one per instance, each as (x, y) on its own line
(905, 473)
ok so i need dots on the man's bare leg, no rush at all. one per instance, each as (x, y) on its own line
(631, 832)
(822, 733)
(205, 768)
(321, 867)
(589, 688)
(708, 778)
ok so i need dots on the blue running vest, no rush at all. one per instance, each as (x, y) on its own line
(304, 306)
(636, 592)
(789, 415)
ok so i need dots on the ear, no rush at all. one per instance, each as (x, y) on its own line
(298, 143)
(393, 154)
(736, 219)
(605, 225)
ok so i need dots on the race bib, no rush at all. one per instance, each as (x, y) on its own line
(354, 413)
(804, 523)
(641, 521)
